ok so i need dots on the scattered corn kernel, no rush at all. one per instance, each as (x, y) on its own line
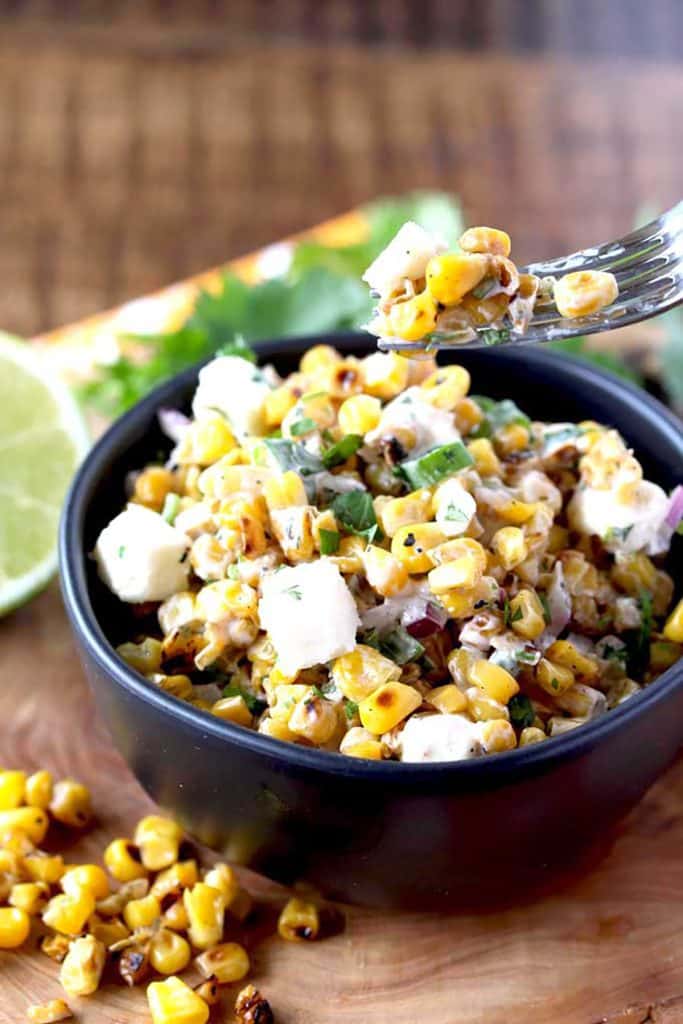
(15, 925)
(173, 1002)
(226, 963)
(169, 953)
(82, 968)
(71, 803)
(298, 921)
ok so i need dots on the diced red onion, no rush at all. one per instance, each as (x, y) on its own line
(173, 423)
(675, 510)
(424, 618)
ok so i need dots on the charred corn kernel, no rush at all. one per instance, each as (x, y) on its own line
(564, 652)
(662, 655)
(485, 459)
(226, 963)
(314, 718)
(412, 544)
(158, 840)
(39, 789)
(123, 861)
(175, 917)
(207, 440)
(493, 680)
(451, 275)
(298, 921)
(414, 508)
(317, 407)
(370, 749)
(181, 875)
(343, 379)
(448, 699)
(349, 557)
(526, 614)
(29, 896)
(284, 490)
(209, 991)
(86, 876)
(142, 913)
(169, 953)
(12, 789)
(584, 292)
(512, 438)
(114, 904)
(383, 571)
(145, 657)
(485, 240)
(362, 671)
(223, 878)
(68, 913)
(277, 404)
(152, 486)
(385, 374)
(205, 909)
(467, 415)
(232, 709)
(49, 1013)
(460, 565)
(497, 735)
(553, 677)
(108, 932)
(179, 686)
(446, 386)
(510, 546)
(217, 601)
(634, 573)
(459, 603)
(55, 946)
(388, 706)
(287, 696)
(32, 821)
(317, 358)
(15, 925)
(359, 414)
(43, 867)
(673, 627)
(71, 803)
(532, 734)
(173, 1002)
(483, 708)
(412, 319)
(82, 968)
(224, 479)
(277, 729)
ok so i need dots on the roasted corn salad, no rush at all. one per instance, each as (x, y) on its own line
(366, 558)
(144, 916)
(424, 291)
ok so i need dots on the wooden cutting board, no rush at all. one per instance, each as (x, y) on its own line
(607, 948)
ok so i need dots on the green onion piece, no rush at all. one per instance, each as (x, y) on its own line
(292, 455)
(435, 465)
(355, 513)
(329, 542)
(521, 710)
(400, 646)
(350, 709)
(302, 426)
(341, 450)
(171, 508)
(497, 415)
(547, 616)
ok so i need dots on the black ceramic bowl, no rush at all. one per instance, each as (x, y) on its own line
(486, 830)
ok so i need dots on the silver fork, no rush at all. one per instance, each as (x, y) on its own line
(648, 266)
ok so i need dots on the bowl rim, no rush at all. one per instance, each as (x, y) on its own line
(485, 770)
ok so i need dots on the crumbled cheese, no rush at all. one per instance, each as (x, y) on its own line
(636, 525)
(237, 389)
(410, 411)
(309, 613)
(439, 738)
(141, 557)
(455, 508)
(406, 256)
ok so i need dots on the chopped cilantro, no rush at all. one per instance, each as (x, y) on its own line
(554, 683)
(497, 415)
(350, 709)
(521, 710)
(293, 591)
(355, 513)
(341, 450)
(435, 465)
(293, 455)
(302, 426)
(121, 552)
(525, 657)
(329, 542)
(547, 617)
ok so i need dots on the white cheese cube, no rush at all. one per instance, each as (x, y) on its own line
(637, 525)
(410, 411)
(406, 256)
(309, 614)
(237, 389)
(141, 557)
(439, 738)
(455, 508)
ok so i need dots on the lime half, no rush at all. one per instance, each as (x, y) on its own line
(42, 439)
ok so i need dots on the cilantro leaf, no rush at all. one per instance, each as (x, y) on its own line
(521, 710)
(341, 450)
(497, 415)
(355, 513)
(329, 542)
(292, 455)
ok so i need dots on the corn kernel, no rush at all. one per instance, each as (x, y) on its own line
(284, 490)
(383, 571)
(169, 953)
(173, 1002)
(526, 614)
(359, 414)
(232, 709)
(68, 913)
(55, 946)
(448, 699)
(15, 925)
(152, 486)
(468, 415)
(43, 867)
(349, 557)
(12, 789)
(317, 358)
(413, 318)
(142, 913)
(412, 543)
(510, 546)
(86, 876)
(460, 565)
(277, 729)
(207, 440)
(223, 878)
(49, 1013)
(497, 735)
(362, 671)
(12, 863)
(205, 909)
(483, 708)
(447, 386)
(460, 604)
(314, 719)
(108, 932)
(29, 896)
(370, 749)
(33, 821)
(584, 292)
(553, 677)
(385, 374)
(493, 680)
(227, 963)
(175, 917)
(71, 803)
(341, 380)
(532, 734)
(673, 627)
(144, 657)
(82, 968)
(563, 652)
(397, 512)
(16, 839)
(158, 840)
(451, 275)
(39, 790)
(123, 861)
(514, 437)
(181, 875)
(485, 459)
(558, 538)
(298, 921)
(485, 240)
(388, 706)
(179, 685)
